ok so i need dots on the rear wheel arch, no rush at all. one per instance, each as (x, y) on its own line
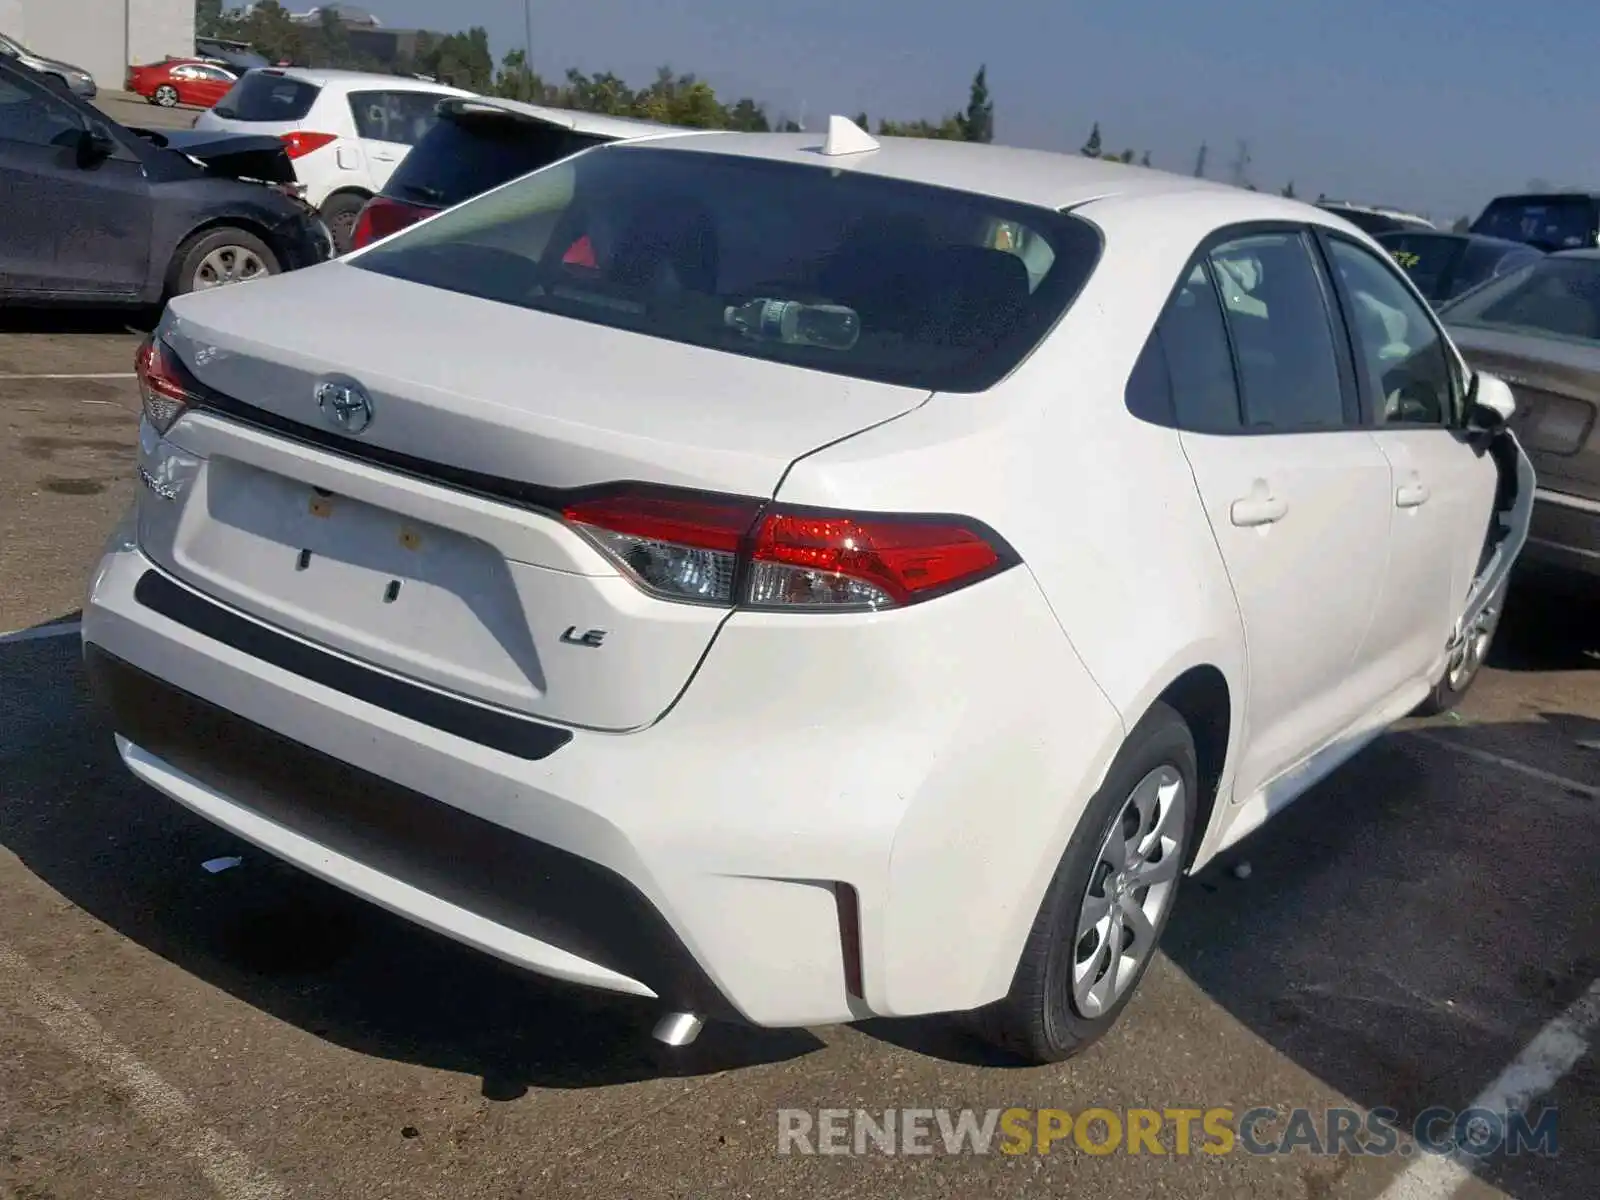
(1202, 697)
(340, 209)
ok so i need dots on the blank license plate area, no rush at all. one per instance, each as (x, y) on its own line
(417, 598)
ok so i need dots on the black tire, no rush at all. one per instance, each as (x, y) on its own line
(165, 96)
(339, 213)
(1039, 1021)
(194, 251)
(1453, 684)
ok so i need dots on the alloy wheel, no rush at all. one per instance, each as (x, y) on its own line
(228, 264)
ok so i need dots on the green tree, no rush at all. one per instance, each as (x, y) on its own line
(1144, 159)
(977, 123)
(208, 19)
(1288, 189)
(862, 122)
(750, 117)
(1091, 148)
(1125, 157)
(1461, 225)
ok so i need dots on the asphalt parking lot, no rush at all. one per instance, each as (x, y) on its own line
(1403, 937)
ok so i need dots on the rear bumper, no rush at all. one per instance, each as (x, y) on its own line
(1564, 535)
(701, 860)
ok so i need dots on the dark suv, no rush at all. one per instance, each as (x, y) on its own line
(479, 143)
(1550, 221)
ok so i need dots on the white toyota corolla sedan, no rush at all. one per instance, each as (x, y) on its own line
(800, 579)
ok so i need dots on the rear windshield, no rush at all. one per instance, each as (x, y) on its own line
(464, 155)
(1550, 222)
(1556, 297)
(840, 271)
(1424, 257)
(261, 96)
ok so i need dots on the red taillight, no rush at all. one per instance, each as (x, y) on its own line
(299, 143)
(383, 216)
(160, 385)
(732, 550)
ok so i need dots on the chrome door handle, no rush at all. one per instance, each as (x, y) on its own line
(1257, 510)
(1411, 495)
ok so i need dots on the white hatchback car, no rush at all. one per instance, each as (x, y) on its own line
(802, 581)
(346, 131)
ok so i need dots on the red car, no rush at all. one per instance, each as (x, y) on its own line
(191, 81)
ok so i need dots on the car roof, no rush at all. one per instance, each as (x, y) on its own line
(331, 77)
(597, 124)
(1043, 178)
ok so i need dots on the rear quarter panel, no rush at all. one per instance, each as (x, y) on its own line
(1102, 508)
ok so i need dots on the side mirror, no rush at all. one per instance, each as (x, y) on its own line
(1490, 403)
(94, 147)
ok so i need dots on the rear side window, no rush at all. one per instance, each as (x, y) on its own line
(463, 156)
(403, 118)
(833, 270)
(259, 96)
(1187, 356)
(1278, 319)
(1427, 258)
(1549, 222)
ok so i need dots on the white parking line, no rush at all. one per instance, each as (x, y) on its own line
(1511, 764)
(231, 1175)
(39, 632)
(1531, 1074)
(95, 375)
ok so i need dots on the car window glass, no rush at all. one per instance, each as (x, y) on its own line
(1555, 297)
(465, 155)
(1399, 350)
(32, 118)
(1549, 222)
(401, 117)
(259, 96)
(1426, 257)
(1194, 341)
(1484, 261)
(841, 271)
(1282, 338)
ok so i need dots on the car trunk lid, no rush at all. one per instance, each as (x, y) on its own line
(430, 543)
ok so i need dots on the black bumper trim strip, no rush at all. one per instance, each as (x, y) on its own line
(498, 730)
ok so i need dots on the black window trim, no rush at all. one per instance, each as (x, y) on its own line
(1349, 379)
(1369, 403)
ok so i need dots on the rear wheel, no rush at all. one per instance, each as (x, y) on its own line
(166, 96)
(339, 213)
(1111, 897)
(218, 257)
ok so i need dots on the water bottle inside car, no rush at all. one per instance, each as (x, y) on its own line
(830, 326)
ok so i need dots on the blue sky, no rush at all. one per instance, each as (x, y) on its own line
(1431, 104)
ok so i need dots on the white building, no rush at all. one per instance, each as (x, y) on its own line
(101, 36)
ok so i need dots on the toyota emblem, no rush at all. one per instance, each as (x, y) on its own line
(346, 405)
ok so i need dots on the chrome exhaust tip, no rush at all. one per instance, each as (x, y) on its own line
(678, 1029)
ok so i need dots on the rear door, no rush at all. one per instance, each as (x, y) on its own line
(206, 85)
(67, 226)
(1443, 488)
(388, 125)
(1296, 491)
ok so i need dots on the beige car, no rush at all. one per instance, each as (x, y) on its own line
(1538, 328)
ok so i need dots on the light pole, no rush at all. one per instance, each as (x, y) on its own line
(527, 33)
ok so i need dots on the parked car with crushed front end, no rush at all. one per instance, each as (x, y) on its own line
(1539, 328)
(96, 213)
(801, 579)
(346, 131)
(1445, 265)
(65, 75)
(478, 143)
